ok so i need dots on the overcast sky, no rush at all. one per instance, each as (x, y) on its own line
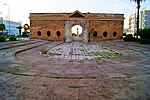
(20, 9)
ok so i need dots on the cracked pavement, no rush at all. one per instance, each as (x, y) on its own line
(67, 72)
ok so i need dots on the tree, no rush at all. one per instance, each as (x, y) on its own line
(2, 27)
(19, 27)
(26, 28)
(138, 11)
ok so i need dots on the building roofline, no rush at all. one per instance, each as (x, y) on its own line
(132, 15)
(145, 10)
(75, 11)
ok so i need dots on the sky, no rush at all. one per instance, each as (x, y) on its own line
(20, 9)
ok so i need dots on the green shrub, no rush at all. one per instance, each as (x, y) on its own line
(129, 37)
(12, 38)
(124, 34)
(25, 34)
(144, 33)
(2, 39)
(144, 41)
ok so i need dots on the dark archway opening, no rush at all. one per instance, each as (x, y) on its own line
(114, 34)
(105, 34)
(58, 33)
(48, 33)
(95, 34)
(39, 33)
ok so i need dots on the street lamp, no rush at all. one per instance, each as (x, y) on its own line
(8, 15)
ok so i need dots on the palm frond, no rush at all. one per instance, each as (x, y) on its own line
(138, 0)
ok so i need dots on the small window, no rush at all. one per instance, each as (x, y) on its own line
(114, 34)
(95, 34)
(105, 34)
(39, 33)
(58, 33)
(48, 33)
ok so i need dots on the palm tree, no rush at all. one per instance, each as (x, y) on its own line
(138, 11)
(2, 27)
(19, 27)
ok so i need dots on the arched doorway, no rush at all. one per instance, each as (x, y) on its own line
(78, 25)
(77, 33)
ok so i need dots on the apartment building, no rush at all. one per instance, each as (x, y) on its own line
(144, 21)
(10, 26)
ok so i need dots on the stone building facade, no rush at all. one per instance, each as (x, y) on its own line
(57, 26)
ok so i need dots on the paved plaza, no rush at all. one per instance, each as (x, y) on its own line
(46, 70)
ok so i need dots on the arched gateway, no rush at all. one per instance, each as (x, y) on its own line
(58, 26)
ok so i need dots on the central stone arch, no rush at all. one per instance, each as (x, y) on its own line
(68, 29)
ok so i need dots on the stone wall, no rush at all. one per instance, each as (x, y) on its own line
(44, 26)
(108, 26)
(96, 26)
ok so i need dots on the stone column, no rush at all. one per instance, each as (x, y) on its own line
(85, 34)
(85, 31)
(68, 35)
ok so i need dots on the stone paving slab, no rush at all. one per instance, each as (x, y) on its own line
(77, 77)
(76, 50)
(6, 77)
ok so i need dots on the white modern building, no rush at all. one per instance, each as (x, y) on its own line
(144, 21)
(132, 24)
(10, 26)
